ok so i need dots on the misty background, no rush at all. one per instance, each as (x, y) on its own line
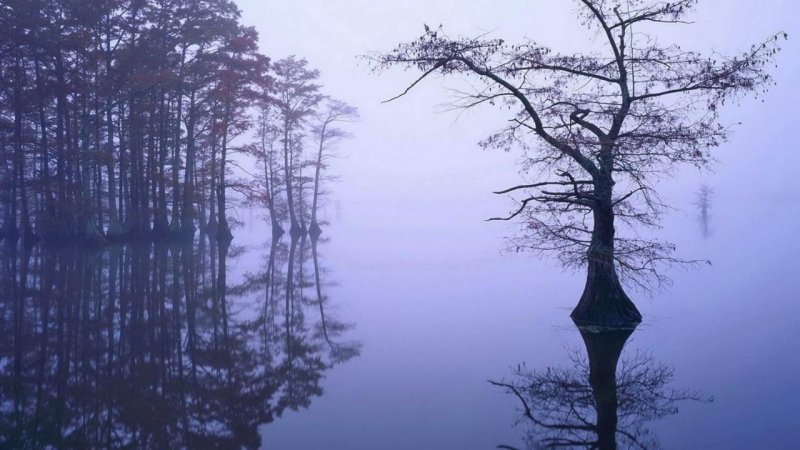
(424, 275)
(385, 330)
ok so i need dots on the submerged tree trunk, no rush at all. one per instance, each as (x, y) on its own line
(604, 303)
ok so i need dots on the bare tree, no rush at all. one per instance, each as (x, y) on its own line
(328, 136)
(598, 130)
(268, 152)
(295, 99)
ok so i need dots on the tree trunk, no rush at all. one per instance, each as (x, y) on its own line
(175, 225)
(223, 230)
(314, 229)
(212, 224)
(160, 197)
(48, 215)
(61, 145)
(187, 216)
(91, 231)
(604, 302)
(12, 232)
(288, 169)
(124, 205)
(114, 225)
(277, 230)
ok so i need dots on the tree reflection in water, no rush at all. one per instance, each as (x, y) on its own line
(149, 346)
(600, 402)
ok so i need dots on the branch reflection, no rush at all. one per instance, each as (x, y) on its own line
(603, 401)
(151, 346)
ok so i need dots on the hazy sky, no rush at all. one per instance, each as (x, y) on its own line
(411, 152)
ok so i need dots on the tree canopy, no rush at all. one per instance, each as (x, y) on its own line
(120, 119)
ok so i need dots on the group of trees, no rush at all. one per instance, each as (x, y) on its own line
(119, 120)
(298, 131)
(151, 346)
(598, 130)
(118, 117)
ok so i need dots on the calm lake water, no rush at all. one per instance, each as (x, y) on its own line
(383, 336)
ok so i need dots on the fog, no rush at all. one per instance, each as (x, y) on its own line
(425, 300)
(440, 306)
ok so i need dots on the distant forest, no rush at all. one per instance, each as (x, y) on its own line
(120, 120)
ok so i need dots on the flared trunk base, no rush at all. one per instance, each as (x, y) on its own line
(604, 304)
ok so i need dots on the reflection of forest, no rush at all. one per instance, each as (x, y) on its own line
(148, 346)
(603, 401)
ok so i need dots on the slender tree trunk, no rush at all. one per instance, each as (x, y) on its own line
(61, 145)
(19, 156)
(160, 197)
(12, 230)
(7, 178)
(277, 230)
(223, 230)
(97, 119)
(91, 230)
(48, 215)
(114, 225)
(212, 223)
(294, 228)
(187, 219)
(314, 229)
(124, 183)
(149, 192)
(136, 175)
(175, 225)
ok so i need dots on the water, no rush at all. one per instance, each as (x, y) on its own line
(441, 316)
(154, 346)
(415, 326)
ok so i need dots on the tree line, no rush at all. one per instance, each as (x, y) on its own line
(118, 120)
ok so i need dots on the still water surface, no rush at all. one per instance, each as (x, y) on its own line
(386, 334)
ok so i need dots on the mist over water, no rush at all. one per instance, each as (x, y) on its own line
(435, 317)
(441, 315)
(395, 327)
